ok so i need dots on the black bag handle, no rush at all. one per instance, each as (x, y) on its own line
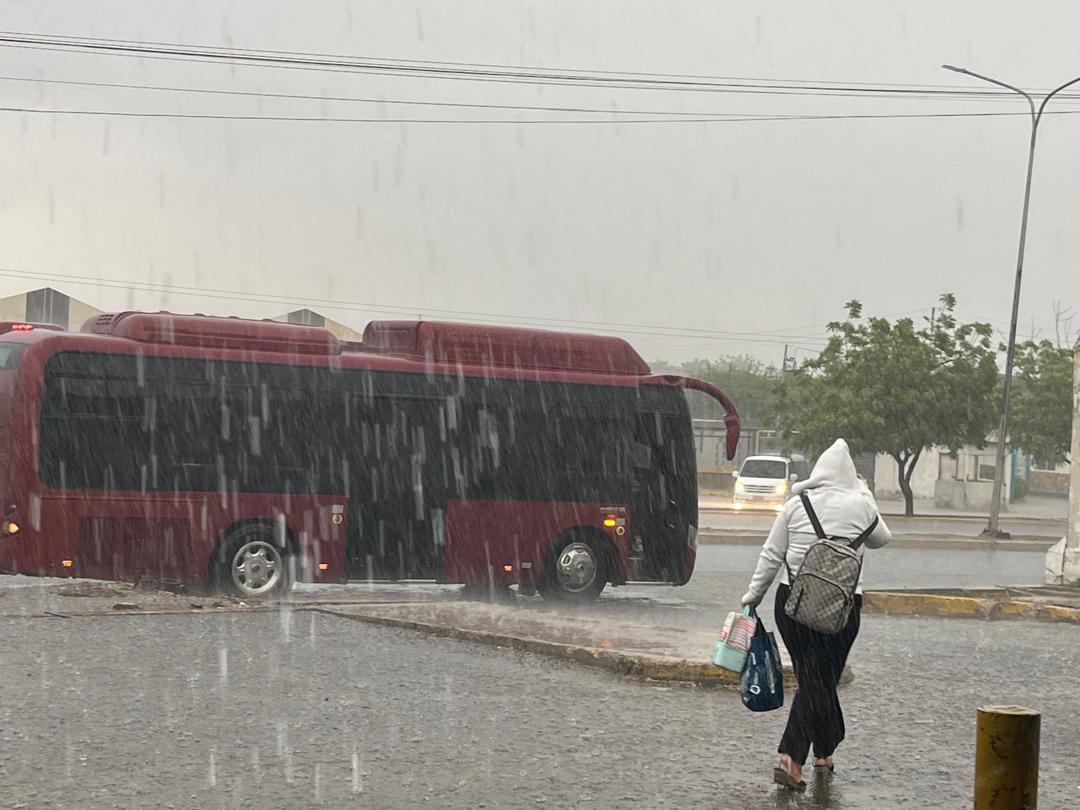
(820, 532)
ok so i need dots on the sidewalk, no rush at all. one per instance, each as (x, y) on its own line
(1033, 507)
(951, 542)
(647, 651)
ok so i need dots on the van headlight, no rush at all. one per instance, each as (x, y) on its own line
(739, 484)
(780, 488)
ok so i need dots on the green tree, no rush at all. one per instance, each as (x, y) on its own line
(750, 383)
(895, 388)
(1040, 420)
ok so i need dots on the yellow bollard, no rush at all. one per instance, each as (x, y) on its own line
(1007, 758)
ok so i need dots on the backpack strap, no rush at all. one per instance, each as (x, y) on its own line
(810, 513)
(820, 532)
(858, 541)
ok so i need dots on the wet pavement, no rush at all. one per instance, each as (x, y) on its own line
(297, 709)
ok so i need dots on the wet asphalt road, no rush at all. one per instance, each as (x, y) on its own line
(299, 710)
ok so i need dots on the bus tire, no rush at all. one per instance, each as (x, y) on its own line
(249, 564)
(576, 569)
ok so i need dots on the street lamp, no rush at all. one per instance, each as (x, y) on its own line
(999, 464)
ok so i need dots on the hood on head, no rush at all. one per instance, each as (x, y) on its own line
(834, 468)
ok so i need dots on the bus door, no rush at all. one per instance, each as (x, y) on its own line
(665, 486)
(397, 448)
(666, 499)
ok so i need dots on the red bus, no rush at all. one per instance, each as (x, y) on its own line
(248, 455)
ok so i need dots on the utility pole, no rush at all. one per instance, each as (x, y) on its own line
(992, 529)
(783, 369)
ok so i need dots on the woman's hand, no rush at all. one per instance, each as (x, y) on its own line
(750, 600)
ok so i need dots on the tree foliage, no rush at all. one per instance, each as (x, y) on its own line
(1040, 420)
(750, 383)
(894, 387)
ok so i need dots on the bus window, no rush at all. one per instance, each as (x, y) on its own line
(11, 355)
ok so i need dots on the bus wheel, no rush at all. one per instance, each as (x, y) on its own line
(251, 565)
(576, 570)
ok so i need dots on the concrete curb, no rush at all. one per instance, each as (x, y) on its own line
(899, 603)
(636, 665)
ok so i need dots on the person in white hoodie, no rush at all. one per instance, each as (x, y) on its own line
(846, 508)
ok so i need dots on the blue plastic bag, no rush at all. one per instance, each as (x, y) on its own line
(762, 682)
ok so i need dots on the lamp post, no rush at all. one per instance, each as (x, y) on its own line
(992, 529)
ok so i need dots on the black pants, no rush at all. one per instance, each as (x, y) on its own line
(816, 718)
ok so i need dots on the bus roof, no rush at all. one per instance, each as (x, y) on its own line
(503, 346)
(430, 342)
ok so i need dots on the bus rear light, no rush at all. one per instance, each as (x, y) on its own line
(609, 522)
(11, 527)
(508, 568)
(67, 563)
(621, 530)
(324, 566)
(22, 327)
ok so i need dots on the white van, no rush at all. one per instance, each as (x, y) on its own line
(764, 482)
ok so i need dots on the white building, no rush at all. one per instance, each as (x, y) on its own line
(961, 480)
(47, 306)
(311, 318)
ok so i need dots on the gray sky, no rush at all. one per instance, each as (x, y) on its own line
(741, 228)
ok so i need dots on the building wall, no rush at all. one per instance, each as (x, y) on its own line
(971, 465)
(923, 480)
(79, 314)
(309, 318)
(13, 308)
(47, 305)
(1063, 559)
(342, 331)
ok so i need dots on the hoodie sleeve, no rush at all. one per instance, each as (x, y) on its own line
(773, 554)
(879, 536)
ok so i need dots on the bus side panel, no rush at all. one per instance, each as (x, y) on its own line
(483, 537)
(134, 537)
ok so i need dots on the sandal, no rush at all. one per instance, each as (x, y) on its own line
(824, 763)
(783, 777)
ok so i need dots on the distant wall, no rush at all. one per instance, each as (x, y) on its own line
(79, 313)
(923, 480)
(1048, 482)
(13, 308)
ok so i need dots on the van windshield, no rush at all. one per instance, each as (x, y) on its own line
(763, 468)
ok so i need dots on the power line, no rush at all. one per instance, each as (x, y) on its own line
(487, 65)
(513, 121)
(470, 72)
(690, 115)
(352, 99)
(655, 330)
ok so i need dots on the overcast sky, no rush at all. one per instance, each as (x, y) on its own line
(752, 230)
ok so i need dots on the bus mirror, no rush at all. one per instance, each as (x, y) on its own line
(793, 477)
(734, 473)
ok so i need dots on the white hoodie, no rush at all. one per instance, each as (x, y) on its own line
(844, 505)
